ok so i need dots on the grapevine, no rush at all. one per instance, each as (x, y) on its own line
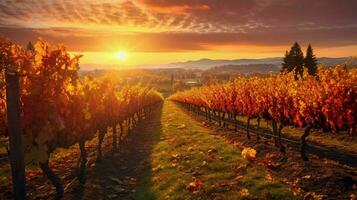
(59, 108)
(325, 102)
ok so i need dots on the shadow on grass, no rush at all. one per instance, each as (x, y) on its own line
(127, 173)
(144, 188)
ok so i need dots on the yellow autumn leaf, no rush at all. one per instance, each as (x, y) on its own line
(249, 153)
(244, 192)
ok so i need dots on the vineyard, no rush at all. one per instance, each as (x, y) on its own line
(178, 100)
(60, 109)
(85, 132)
(326, 102)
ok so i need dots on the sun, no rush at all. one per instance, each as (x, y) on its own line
(122, 55)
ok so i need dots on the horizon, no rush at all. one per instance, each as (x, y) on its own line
(110, 66)
(147, 32)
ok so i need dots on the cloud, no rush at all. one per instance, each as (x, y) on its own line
(178, 25)
(84, 40)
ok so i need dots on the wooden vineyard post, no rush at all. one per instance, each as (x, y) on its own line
(115, 145)
(14, 126)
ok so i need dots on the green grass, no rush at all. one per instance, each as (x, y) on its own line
(186, 151)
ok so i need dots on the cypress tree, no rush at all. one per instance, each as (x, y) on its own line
(310, 61)
(30, 47)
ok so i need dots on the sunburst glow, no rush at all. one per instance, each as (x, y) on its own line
(122, 55)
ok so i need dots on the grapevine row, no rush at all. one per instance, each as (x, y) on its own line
(60, 109)
(327, 101)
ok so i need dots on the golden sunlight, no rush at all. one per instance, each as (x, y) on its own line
(122, 55)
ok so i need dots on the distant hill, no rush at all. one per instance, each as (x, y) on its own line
(272, 64)
(209, 63)
(338, 61)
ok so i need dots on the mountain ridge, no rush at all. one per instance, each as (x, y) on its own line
(206, 63)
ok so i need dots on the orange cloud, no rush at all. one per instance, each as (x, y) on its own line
(177, 9)
(102, 40)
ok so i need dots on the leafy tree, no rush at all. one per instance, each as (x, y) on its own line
(310, 61)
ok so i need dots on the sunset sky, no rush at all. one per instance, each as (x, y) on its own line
(138, 32)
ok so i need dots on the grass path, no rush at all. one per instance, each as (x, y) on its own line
(186, 152)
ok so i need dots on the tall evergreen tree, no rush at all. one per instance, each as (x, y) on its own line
(310, 61)
(294, 60)
(297, 58)
(287, 67)
(30, 47)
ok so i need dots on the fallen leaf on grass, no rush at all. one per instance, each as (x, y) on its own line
(269, 177)
(194, 186)
(181, 126)
(296, 191)
(239, 177)
(249, 154)
(306, 177)
(244, 192)
(212, 150)
(132, 181)
(175, 156)
(155, 169)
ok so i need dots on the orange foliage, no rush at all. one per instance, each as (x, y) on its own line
(58, 107)
(329, 100)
